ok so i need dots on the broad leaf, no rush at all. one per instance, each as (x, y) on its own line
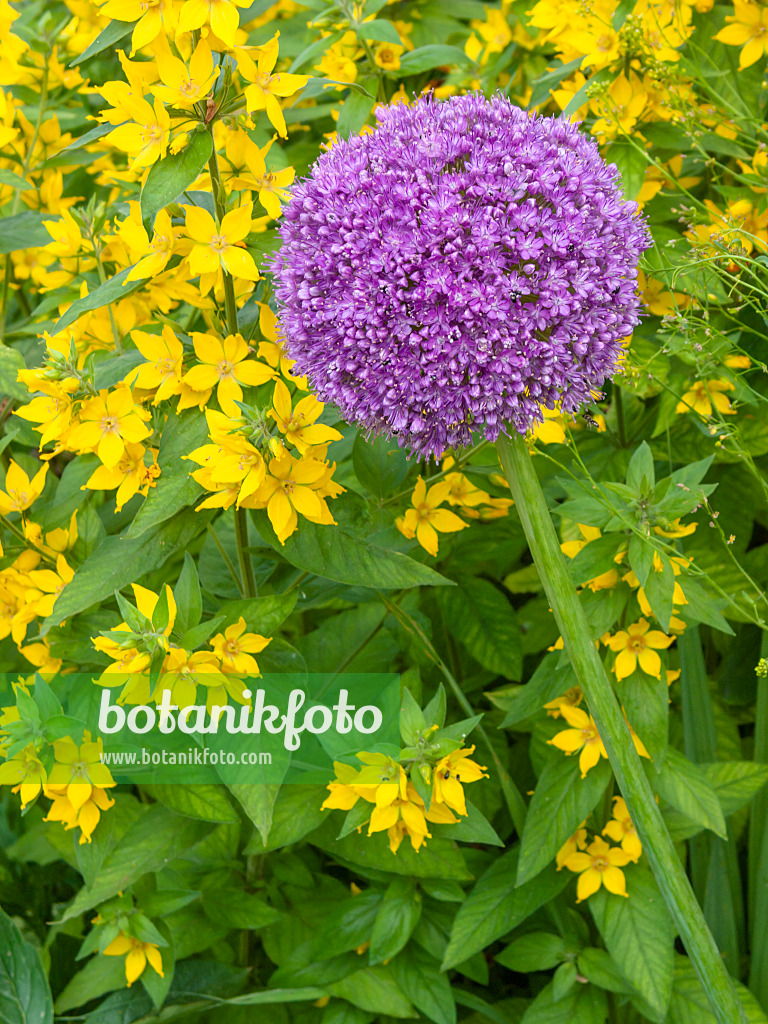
(477, 614)
(169, 177)
(25, 997)
(110, 291)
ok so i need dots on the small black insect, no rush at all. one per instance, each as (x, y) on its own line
(447, 775)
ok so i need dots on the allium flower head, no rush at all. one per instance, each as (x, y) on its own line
(457, 269)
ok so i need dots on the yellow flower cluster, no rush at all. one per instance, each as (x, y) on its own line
(398, 808)
(597, 863)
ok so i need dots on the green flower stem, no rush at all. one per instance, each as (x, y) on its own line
(604, 707)
(241, 521)
(758, 852)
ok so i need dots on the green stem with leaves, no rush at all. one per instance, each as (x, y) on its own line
(241, 521)
(604, 707)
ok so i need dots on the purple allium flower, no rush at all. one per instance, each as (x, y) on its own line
(456, 269)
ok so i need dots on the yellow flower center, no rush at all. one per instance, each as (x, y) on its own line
(589, 734)
(165, 366)
(604, 44)
(189, 88)
(423, 511)
(600, 864)
(110, 425)
(231, 648)
(636, 644)
(224, 368)
(152, 133)
(218, 242)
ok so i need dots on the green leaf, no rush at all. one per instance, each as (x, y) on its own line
(379, 30)
(14, 180)
(639, 934)
(584, 1004)
(237, 909)
(419, 980)
(119, 561)
(337, 553)
(203, 802)
(169, 177)
(597, 966)
(735, 782)
(478, 614)
(424, 58)
(24, 231)
(690, 1005)
(631, 163)
(373, 989)
(495, 906)
(151, 841)
(561, 801)
(354, 113)
(537, 951)
(295, 813)
(186, 594)
(108, 37)
(659, 590)
(175, 488)
(380, 465)
(397, 916)
(684, 786)
(646, 702)
(110, 291)
(263, 615)
(11, 361)
(641, 476)
(438, 858)
(196, 635)
(258, 802)
(595, 558)
(474, 828)
(412, 720)
(100, 975)
(25, 997)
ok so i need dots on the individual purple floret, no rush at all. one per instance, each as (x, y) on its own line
(457, 269)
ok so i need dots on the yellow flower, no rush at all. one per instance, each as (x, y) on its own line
(221, 15)
(86, 815)
(582, 735)
(705, 394)
(184, 86)
(225, 365)
(578, 841)
(291, 488)
(298, 424)
(245, 168)
(387, 56)
(162, 372)
(217, 247)
(183, 673)
(78, 771)
(675, 529)
(637, 645)
(151, 16)
(107, 423)
(621, 830)
(130, 475)
(146, 136)
(152, 256)
(137, 955)
(451, 773)
(572, 698)
(748, 29)
(600, 865)
(235, 649)
(265, 85)
(48, 585)
(21, 492)
(425, 520)
(26, 773)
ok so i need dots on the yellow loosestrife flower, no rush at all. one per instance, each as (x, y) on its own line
(704, 395)
(216, 248)
(21, 492)
(152, 17)
(748, 29)
(221, 15)
(426, 519)
(182, 85)
(162, 373)
(582, 736)
(621, 830)
(235, 649)
(225, 365)
(637, 645)
(137, 955)
(298, 424)
(266, 85)
(451, 772)
(107, 423)
(599, 865)
(291, 488)
(146, 137)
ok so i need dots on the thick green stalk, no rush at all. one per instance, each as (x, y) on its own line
(633, 782)
(758, 853)
(241, 522)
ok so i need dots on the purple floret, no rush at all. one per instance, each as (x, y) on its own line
(457, 269)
